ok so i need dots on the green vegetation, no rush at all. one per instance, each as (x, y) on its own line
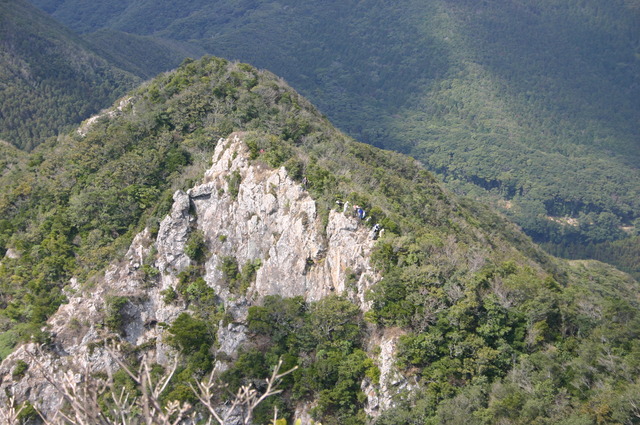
(28, 413)
(624, 254)
(238, 279)
(189, 334)
(19, 369)
(324, 340)
(115, 317)
(142, 56)
(196, 248)
(195, 292)
(503, 342)
(532, 107)
(492, 328)
(11, 157)
(51, 79)
(233, 184)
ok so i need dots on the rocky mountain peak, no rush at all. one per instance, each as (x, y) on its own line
(243, 213)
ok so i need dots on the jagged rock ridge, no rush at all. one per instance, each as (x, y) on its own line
(269, 217)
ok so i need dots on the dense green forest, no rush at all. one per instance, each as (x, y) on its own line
(143, 56)
(494, 329)
(49, 78)
(10, 157)
(624, 253)
(532, 107)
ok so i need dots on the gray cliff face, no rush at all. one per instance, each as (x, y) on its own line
(275, 220)
(267, 216)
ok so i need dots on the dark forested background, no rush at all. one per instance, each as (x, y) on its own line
(49, 77)
(532, 107)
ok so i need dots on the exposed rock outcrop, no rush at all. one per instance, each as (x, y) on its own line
(108, 113)
(246, 211)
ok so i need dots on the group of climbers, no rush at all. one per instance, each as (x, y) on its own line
(360, 213)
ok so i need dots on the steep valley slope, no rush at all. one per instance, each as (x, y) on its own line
(50, 79)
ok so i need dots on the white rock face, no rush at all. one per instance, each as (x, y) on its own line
(275, 220)
(380, 396)
(272, 219)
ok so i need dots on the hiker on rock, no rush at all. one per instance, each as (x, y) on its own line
(375, 232)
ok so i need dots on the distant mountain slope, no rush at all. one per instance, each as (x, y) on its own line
(451, 315)
(143, 56)
(534, 107)
(49, 77)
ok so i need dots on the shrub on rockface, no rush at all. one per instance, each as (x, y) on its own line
(189, 334)
(196, 247)
(115, 314)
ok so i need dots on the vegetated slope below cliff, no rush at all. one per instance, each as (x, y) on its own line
(10, 157)
(470, 317)
(51, 79)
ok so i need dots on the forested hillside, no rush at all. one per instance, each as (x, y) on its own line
(489, 328)
(10, 157)
(533, 107)
(143, 56)
(49, 78)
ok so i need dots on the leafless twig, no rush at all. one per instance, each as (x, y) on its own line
(82, 393)
(246, 399)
